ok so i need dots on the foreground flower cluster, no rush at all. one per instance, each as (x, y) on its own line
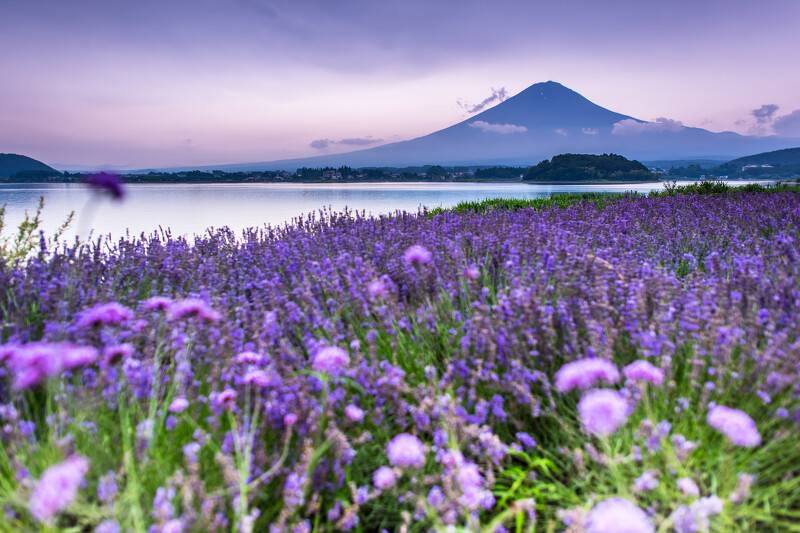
(626, 368)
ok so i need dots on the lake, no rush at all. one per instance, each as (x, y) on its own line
(189, 209)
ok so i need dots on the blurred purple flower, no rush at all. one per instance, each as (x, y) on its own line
(57, 488)
(585, 373)
(417, 255)
(106, 183)
(108, 314)
(734, 424)
(354, 413)
(618, 515)
(384, 478)
(330, 360)
(157, 303)
(406, 451)
(642, 370)
(192, 307)
(602, 411)
(178, 405)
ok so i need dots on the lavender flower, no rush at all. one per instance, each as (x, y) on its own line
(57, 488)
(688, 486)
(734, 424)
(108, 314)
(602, 411)
(106, 183)
(157, 303)
(384, 478)
(330, 360)
(618, 515)
(192, 307)
(585, 373)
(406, 451)
(354, 413)
(644, 371)
(417, 255)
(178, 405)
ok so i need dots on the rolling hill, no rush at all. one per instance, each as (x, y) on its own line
(12, 165)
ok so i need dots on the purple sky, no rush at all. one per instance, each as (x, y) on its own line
(171, 82)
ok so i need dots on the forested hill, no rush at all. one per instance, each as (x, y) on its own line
(585, 167)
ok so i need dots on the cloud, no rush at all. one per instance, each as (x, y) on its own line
(498, 95)
(324, 144)
(764, 113)
(590, 131)
(630, 126)
(788, 125)
(502, 129)
(561, 131)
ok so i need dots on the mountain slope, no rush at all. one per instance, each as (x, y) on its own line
(545, 119)
(12, 164)
(789, 156)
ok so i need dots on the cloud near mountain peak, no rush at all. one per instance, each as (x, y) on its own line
(502, 129)
(631, 126)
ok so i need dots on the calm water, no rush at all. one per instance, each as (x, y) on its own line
(191, 209)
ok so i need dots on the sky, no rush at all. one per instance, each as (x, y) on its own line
(155, 83)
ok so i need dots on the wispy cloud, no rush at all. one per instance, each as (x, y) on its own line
(630, 126)
(502, 129)
(324, 144)
(788, 125)
(765, 113)
(590, 131)
(562, 132)
(498, 95)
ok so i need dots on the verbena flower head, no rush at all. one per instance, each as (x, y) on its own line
(696, 517)
(226, 399)
(585, 373)
(642, 370)
(107, 183)
(78, 356)
(417, 255)
(330, 360)
(108, 314)
(35, 362)
(618, 515)
(406, 451)
(57, 488)
(734, 424)
(384, 478)
(157, 303)
(472, 272)
(117, 353)
(354, 413)
(192, 307)
(602, 411)
(377, 288)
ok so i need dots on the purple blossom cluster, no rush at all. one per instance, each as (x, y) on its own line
(375, 373)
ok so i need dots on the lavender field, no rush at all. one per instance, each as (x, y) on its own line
(627, 366)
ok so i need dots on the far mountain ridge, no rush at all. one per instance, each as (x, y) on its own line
(544, 120)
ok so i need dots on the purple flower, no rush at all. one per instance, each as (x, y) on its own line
(116, 353)
(248, 358)
(289, 419)
(646, 482)
(377, 289)
(602, 411)
(384, 478)
(643, 371)
(35, 362)
(687, 486)
(77, 356)
(330, 360)
(354, 413)
(107, 488)
(57, 488)
(406, 451)
(192, 307)
(472, 272)
(107, 526)
(226, 399)
(734, 424)
(585, 373)
(106, 183)
(695, 517)
(417, 255)
(618, 515)
(178, 405)
(108, 314)
(157, 303)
